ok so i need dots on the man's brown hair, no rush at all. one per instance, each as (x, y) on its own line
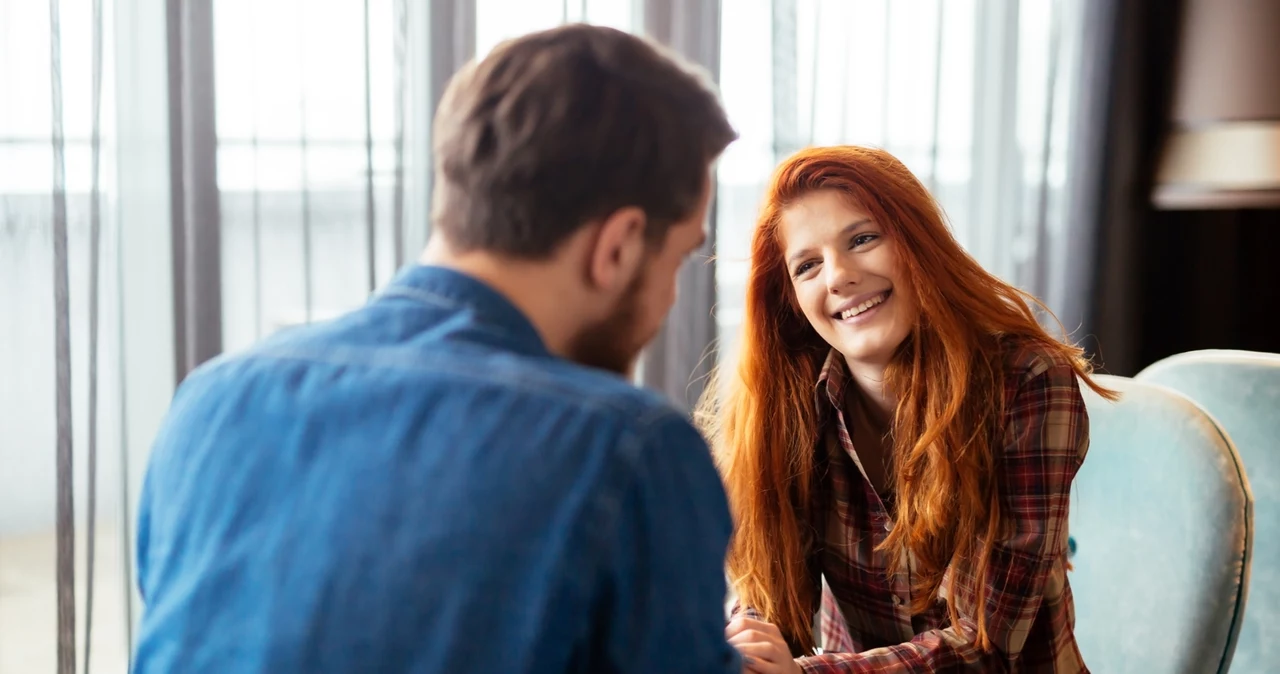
(565, 126)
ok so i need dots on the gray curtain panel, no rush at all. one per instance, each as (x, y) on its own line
(1085, 184)
(195, 202)
(680, 358)
(1131, 83)
(64, 456)
(66, 588)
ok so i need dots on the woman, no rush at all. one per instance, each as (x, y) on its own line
(899, 426)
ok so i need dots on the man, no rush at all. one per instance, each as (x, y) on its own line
(457, 477)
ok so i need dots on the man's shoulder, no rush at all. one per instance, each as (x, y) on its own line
(642, 417)
(492, 375)
(610, 393)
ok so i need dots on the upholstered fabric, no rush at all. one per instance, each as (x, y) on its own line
(1162, 521)
(1241, 389)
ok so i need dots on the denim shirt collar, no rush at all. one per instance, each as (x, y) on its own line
(449, 289)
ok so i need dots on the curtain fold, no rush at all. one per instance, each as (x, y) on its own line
(1074, 280)
(60, 499)
(193, 156)
(64, 456)
(680, 358)
(452, 43)
(95, 274)
(1129, 122)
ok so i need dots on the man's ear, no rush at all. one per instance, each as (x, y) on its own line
(618, 251)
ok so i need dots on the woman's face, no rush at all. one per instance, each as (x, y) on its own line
(844, 269)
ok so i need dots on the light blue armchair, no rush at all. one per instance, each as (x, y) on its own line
(1241, 389)
(1161, 521)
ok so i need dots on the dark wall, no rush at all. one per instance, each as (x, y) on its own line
(1211, 280)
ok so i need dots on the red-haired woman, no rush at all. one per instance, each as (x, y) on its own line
(900, 426)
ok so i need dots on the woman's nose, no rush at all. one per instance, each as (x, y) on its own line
(841, 274)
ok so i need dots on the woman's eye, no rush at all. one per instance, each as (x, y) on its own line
(802, 268)
(863, 239)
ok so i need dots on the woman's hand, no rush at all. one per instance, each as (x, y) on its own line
(763, 649)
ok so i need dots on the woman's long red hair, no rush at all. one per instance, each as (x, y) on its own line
(947, 376)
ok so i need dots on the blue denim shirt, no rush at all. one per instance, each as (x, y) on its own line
(421, 486)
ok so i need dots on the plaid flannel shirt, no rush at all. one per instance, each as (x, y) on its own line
(864, 623)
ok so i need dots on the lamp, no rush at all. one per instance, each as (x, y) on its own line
(1223, 150)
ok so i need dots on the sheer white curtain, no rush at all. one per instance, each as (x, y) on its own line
(320, 138)
(312, 101)
(498, 20)
(975, 96)
(60, 374)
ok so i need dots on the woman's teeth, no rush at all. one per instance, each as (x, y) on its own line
(850, 313)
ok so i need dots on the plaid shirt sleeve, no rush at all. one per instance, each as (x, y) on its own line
(1045, 441)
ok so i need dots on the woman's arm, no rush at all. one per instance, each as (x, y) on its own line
(1046, 435)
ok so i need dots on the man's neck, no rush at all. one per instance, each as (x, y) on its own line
(537, 290)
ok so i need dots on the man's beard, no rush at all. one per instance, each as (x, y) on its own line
(613, 344)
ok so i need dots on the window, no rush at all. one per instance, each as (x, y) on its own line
(27, 336)
(292, 99)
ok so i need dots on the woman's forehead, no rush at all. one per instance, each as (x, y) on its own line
(819, 216)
